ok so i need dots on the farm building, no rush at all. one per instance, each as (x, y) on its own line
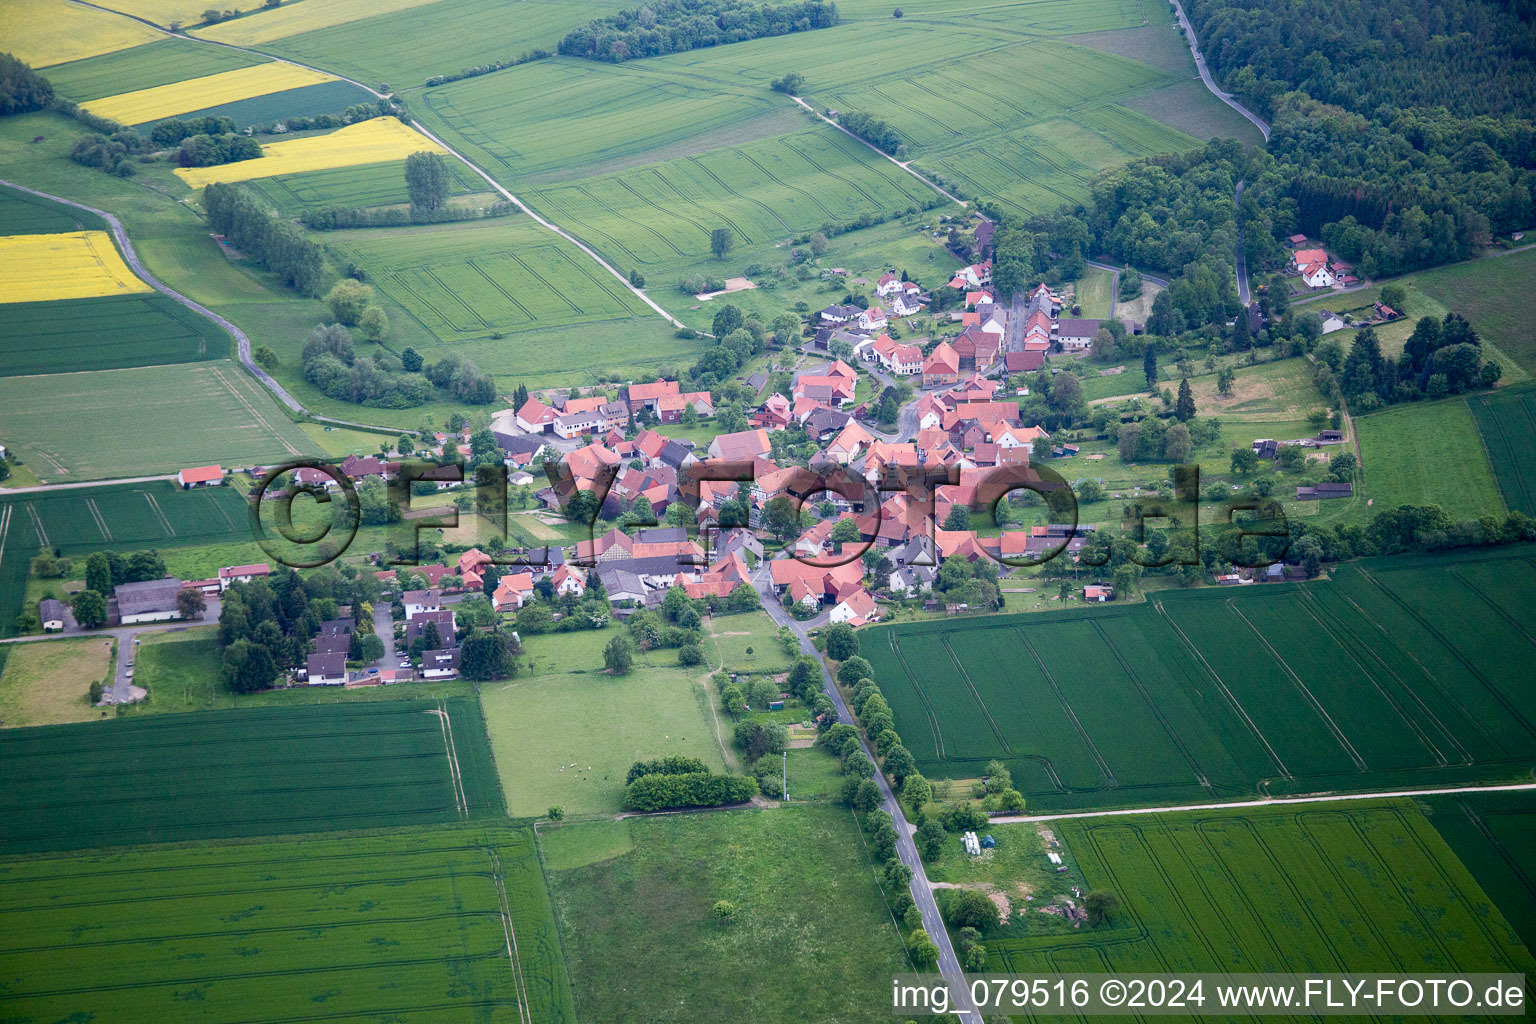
(51, 612)
(149, 601)
(200, 476)
(1326, 489)
(1098, 593)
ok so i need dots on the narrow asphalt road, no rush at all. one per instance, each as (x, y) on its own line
(1210, 83)
(1242, 259)
(1320, 798)
(6, 492)
(906, 849)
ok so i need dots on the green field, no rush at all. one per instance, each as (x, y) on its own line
(467, 281)
(305, 101)
(80, 520)
(253, 772)
(1507, 422)
(568, 733)
(147, 420)
(110, 333)
(145, 67)
(365, 185)
(1363, 888)
(812, 940)
(407, 47)
(1428, 453)
(1488, 293)
(24, 214)
(1396, 672)
(443, 923)
(1492, 833)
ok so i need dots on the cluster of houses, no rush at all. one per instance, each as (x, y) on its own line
(566, 417)
(1316, 268)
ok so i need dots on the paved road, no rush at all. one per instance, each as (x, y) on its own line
(906, 850)
(1210, 83)
(1320, 798)
(1242, 258)
(384, 629)
(7, 491)
(1159, 281)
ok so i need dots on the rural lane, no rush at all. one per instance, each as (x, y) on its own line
(1205, 74)
(639, 293)
(1242, 259)
(6, 492)
(906, 849)
(243, 342)
(904, 165)
(1319, 798)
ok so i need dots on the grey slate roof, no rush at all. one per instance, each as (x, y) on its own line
(148, 596)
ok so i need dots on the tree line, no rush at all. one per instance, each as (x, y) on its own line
(267, 626)
(676, 781)
(268, 239)
(675, 26)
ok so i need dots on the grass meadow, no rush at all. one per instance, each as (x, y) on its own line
(812, 939)
(452, 922)
(1507, 422)
(1429, 453)
(1487, 293)
(1366, 887)
(1395, 672)
(221, 774)
(143, 421)
(49, 683)
(566, 733)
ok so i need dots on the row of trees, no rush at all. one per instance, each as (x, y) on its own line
(1441, 357)
(209, 150)
(265, 237)
(873, 130)
(675, 26)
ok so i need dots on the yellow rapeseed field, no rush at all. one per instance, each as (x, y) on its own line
(294, 17)
(208, 91)
(70, 265)
(368, 142)
(43, 32)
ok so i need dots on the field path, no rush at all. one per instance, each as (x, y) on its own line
(904, 165)
(1205, 74)
(547, 225)
(1320, 798)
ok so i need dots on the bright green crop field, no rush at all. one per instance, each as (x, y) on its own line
(1507, 422)
(108, 333)
(365, 185)
(1395, 672)
(452, 922)
(146, 420)
(469, 280)
(252, 772)
(1367, 887)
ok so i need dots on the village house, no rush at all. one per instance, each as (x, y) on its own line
(942, 367)
(741, 446)
(1313, 266)
(1077, 335)
(648, 396)
(442, 664)
(512, 591)
(326, 669)
(855, 606)
(232, 574)
(670, 408)
(417, 602)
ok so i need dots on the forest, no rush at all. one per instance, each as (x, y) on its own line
(675, 26)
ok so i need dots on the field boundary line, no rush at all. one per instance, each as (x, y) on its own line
(1317, 705)
(1157, 711)
(37, 524)
(871, 146)
(1273, 801)
(922, 697)
(1082, 732)
(1454, 651)
(1307, 601)
(1433, 681)
(101, 521)
(5, 528)
(971, 685)
(1456, 572)
(519, 983)
(253, 411)
(459, 804)
(159, 513)
(1221, 684)
(1301, 819)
